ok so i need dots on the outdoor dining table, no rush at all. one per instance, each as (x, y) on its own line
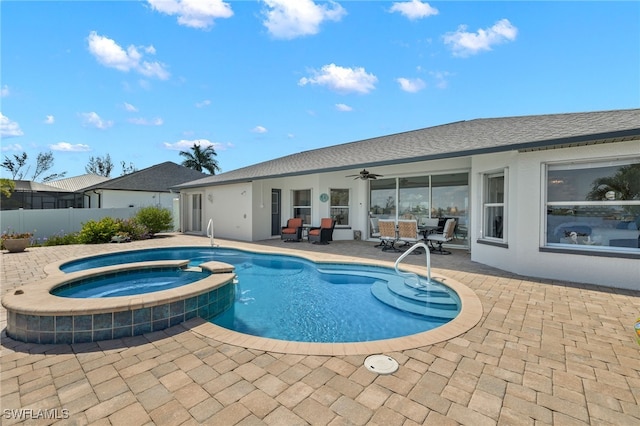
(427, 229)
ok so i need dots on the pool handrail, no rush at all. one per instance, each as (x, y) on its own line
(427, 254)
(210, 232)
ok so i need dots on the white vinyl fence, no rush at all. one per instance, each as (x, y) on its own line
(48, 222)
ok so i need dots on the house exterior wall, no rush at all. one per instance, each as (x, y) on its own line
(229, 207)
(526, 219)
(243, 211)
(120, 199)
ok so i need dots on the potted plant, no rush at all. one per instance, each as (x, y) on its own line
(16, 241)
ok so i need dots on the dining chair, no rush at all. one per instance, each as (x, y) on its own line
(440, 238)
(408, 233)
(388, 234)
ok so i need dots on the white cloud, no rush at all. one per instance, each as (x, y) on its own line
(92, 119)
(411, 85)
(185, 145)
(343, 107)
(441, 77)
(342, 80)
(49, 119)
(464, 43)
(11, 147)
(144, 122)
(8, 128)
(288, 19)
(414, 9)
(129, 107)
(199, 14)
(111, 55)
(203, 104)
(259, 129)
(67, 147)
(4, 92)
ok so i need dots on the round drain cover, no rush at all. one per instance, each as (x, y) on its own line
(381, 364)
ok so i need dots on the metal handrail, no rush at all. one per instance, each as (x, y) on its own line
(427, 254)
(210, 232)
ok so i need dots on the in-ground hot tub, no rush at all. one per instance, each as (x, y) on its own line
(35, 315)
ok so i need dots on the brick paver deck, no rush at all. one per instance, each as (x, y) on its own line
(543, 353)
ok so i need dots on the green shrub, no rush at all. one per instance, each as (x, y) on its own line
(97, 232)
(60, 239)
(155, 219)
(132, 228)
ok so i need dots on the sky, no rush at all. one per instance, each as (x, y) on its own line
(141, 81)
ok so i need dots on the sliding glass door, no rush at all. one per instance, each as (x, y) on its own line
(422, 197)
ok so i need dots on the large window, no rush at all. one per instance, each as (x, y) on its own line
(594, 206)
(383, 198)
(302, 205)
(339, 208)
(422, 197)
(493, 206)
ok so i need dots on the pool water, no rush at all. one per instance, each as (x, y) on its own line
(289, 298)
(129, 283)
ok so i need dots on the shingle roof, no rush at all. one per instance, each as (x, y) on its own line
(158, 178)
(446, 141)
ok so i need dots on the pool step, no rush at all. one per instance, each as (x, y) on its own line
(400, 292)
(427, 308)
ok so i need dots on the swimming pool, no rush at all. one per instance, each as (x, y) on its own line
(294, 299)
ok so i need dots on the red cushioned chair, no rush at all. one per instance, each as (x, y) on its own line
(293, 230)
(324, 233)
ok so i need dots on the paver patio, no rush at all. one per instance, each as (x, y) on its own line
(544, 352)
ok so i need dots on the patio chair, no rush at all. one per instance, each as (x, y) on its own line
(440, 238)
(323, 233)
(408, 233)
(388, 234)
(375, 230)
(293, 230)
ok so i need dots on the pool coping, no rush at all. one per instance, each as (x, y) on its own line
(470, 313)
(36, 299)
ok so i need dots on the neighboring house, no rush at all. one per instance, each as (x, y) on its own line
(146, 187)
(57, 194)
(553, 196)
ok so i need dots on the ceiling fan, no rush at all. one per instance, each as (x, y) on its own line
(364, 175)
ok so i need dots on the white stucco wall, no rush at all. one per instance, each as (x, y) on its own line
(121, 199)
(526, 220)
(230, 209)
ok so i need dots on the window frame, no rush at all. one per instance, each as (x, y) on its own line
(486, 205)
(295, 207)
(581, 248)
(347, 207)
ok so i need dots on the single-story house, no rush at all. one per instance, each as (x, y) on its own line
(147, 187)
(552, 196)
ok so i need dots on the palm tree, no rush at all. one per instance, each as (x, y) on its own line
(625, 183)
(199, 159)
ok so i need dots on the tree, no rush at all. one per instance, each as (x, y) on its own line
(127, 169)
(44, 162)
(625, 184)
(199, 159)
(7, 186)
(100, 166)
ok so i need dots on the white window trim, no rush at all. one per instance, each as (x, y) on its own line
(505, 219)
(571, 165)
(310, 206)
(348, 207)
